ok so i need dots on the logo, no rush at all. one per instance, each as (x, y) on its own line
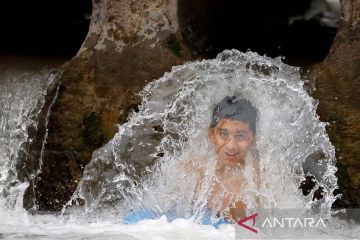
(276, 220)
(242, 221)
(285, 223)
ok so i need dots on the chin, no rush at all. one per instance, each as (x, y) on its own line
(229, 162)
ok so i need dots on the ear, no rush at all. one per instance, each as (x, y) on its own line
(253, 140)
(211, 134)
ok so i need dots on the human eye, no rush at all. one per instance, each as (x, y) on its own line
(224, 133)
(241, 136)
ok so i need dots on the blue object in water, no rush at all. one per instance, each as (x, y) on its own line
(143, 214)
(134, 217)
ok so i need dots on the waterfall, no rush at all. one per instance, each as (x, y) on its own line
(22, 98)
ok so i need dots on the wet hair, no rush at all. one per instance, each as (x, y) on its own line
(233, 108)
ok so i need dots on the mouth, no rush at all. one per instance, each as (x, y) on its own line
(231, 155)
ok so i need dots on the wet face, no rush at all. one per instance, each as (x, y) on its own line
(232, 140)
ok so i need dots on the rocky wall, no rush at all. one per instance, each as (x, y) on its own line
(337, 87)
(129, 43)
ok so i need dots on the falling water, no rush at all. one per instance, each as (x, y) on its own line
(149, 163)
(22, 97)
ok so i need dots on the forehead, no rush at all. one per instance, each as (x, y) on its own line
(233, 125)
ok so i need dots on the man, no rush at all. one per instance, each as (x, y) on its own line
(232, 133)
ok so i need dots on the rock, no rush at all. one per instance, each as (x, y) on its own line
(337, 83)
(129, 43)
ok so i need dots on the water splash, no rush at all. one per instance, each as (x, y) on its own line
(143, 165)
(22, 97)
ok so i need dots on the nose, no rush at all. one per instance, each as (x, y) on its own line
(231, 145)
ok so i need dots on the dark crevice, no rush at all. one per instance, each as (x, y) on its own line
(293, 29)
(40, 27)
